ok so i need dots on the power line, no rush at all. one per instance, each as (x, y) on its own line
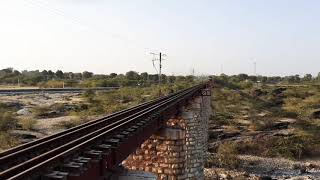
(78, 21)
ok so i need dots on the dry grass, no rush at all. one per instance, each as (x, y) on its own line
(28, 124)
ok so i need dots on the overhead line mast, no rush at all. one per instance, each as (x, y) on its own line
(161, 55)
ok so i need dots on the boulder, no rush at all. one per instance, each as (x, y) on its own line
(24, 112)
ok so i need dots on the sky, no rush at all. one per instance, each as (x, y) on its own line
(209, 36)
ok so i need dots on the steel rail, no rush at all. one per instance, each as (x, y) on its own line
(9, 157)
(84, 142)
(73, 145)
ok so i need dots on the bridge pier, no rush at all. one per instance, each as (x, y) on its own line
(178, 150)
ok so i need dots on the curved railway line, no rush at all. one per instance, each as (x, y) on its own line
(108, 141)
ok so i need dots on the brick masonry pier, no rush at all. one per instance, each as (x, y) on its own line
(177, 151)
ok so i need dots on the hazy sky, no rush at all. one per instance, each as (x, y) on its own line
(104, 36)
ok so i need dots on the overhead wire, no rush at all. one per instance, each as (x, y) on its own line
(78, 21)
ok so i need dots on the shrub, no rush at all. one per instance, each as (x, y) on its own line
(89, 95)
(51, 84)
(7, 121)
(7, 141)
(39, 111)
(249, 147)
(266, 124)
(28, 124)
(227, 155)
(74, 121)
(292, 147)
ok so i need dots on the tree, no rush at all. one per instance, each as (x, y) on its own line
(59, 74)
(87, 74)
(68, 75)
(307, 77)
(77, 76)
(113, 75)
(50, 74)
(132, 75)
(243, 77)
(190, 78)
(16, 73)
(171, 79)
(144, 76)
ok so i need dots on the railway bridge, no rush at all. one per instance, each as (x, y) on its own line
(166, 137)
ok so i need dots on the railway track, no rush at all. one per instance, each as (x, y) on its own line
(114, 136)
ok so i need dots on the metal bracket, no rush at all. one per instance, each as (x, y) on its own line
(205, 92)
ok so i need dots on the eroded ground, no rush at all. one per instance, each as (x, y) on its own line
(39, 115)
(268, 132)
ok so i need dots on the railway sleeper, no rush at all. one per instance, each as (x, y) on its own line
(73, 168)
(55, 175)
(121, 137)
(104, 148)
(94, 155)
(84, 160)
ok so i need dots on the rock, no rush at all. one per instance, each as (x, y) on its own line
(24, 134)
(14, 105)
(24, 112)
(281, 125)
(284, 132)
(310, 165)
(278, 90)
(303, 170)
(213, 147)
(257, 92)
(50, 114)
(300, 178)
(228, 135)
(215, 133)
(222, 175)
(265, 178)
(316, 114)
(288, 120)
(246, 174)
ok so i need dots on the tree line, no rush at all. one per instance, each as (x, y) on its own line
(48, 78)
(247, 81)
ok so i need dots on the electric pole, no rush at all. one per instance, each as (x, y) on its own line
(160, 67)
